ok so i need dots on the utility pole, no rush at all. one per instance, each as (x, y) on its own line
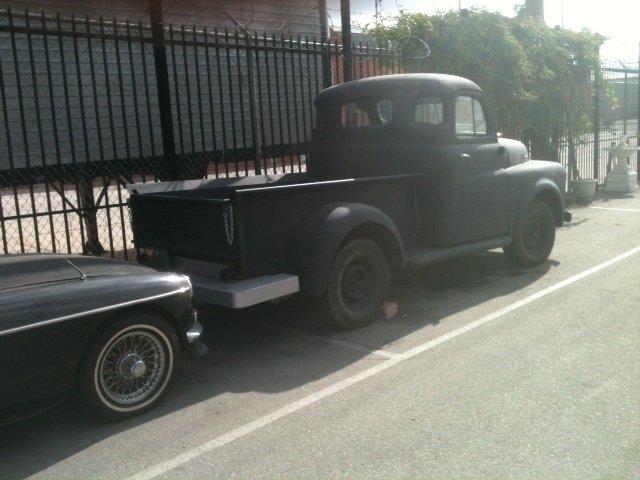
(534, 8)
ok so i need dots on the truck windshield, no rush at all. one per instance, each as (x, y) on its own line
(470, 117)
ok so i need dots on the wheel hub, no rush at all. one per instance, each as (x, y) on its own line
(132, 366)
(533, 235)
(356, 284)
(138, 369)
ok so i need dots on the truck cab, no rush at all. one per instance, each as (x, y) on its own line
(437, 125)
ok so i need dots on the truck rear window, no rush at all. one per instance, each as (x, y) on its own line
(366, 113)
(429, 111)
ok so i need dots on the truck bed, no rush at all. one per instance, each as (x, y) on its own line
(250, 222)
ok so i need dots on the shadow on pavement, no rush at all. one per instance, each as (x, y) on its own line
(273, 348)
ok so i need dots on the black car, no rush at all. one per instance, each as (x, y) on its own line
(109, 332)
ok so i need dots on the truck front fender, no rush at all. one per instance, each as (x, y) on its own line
(537, 180)
(322, 233)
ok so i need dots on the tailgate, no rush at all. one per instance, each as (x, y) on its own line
(193, 227)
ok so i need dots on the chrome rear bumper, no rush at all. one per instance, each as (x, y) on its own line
(195, 347)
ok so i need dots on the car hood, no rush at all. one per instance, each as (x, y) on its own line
(33, 269)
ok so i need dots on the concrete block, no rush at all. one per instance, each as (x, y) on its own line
(389, 309)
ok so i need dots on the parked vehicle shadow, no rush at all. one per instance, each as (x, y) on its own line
(275, 348)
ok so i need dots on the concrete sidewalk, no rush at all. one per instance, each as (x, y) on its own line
(604, 199)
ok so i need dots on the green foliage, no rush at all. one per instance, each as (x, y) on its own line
(538, 79)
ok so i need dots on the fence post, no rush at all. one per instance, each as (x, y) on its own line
(347, 54)
(325, 45)
(164, 90)
(253, 106)
(596, 121)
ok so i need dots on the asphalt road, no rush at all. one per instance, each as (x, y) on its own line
(486, 372)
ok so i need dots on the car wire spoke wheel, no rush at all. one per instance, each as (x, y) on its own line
(131, 366)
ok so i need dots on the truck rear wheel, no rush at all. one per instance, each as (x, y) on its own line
(358, 284)
(532, 244)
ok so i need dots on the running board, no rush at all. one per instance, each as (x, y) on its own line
(243, 293)
(422, 257)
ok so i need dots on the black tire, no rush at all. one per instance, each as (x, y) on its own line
(533, 242)
(358, 284)
(129, 368)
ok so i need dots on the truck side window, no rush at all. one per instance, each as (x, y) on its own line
(429, 111)
(470, 117)
(366, 113)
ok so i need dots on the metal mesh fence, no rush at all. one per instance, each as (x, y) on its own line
(80, 109)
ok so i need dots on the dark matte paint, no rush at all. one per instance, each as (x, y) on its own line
(423, 193)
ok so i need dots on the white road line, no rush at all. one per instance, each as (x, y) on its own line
(251, 427)
(616, 209)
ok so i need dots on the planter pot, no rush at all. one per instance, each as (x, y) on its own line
(584, 190)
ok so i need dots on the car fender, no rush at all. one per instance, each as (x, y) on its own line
(325, 230)
(34, 306)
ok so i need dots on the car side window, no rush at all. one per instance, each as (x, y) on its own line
(366, 113)
(470, 117)
(429, 111)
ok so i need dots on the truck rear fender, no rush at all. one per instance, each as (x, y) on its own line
(322, 233)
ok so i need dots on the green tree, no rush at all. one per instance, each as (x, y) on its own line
(564, 66)
(538, 79)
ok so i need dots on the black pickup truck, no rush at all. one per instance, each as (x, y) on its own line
(404, 171)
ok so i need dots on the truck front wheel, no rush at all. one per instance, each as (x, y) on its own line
(533, 242)
(358, 284)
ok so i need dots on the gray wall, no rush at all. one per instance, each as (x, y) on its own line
(289, 17)
(91, 95)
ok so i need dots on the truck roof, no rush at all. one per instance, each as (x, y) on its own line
(392, 85)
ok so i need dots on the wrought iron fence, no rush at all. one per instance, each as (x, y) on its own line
(615, 113)
(87, 109)
(83, 105)
(613, 109)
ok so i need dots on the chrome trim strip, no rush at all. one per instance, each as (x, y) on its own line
(91, 312)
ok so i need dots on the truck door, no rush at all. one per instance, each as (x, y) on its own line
(482, 193)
